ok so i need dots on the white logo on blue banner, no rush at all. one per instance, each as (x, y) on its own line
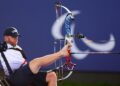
(57, 34)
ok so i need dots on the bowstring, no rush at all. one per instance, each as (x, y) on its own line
(54, 50)
(60, 62)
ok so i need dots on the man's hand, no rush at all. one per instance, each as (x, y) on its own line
(64, 51)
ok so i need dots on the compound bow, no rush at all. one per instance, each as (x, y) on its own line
(69, 20)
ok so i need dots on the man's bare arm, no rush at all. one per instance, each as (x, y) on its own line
(39, 62)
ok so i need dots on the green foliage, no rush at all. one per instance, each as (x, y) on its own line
(71, 83)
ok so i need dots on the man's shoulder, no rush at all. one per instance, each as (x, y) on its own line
(17, 46)
(9, 46)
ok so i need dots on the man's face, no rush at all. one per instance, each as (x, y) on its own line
(12, 40)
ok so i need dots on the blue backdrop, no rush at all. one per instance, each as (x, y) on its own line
(34, 20)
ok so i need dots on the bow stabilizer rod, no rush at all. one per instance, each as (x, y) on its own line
(117, 53)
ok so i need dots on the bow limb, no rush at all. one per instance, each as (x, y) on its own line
(66, 74)
(61, 6)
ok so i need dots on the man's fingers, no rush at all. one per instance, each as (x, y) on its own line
(69, 45)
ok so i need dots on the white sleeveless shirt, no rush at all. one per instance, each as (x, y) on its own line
(14, 58)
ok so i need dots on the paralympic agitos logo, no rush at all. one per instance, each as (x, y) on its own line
(57, 34)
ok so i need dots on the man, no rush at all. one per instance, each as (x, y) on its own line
(28, 73)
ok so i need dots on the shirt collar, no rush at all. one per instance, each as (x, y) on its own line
(9, 45)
